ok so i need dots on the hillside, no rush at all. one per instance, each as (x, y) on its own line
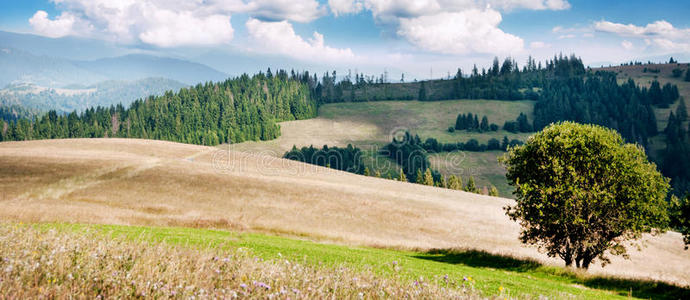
(371, 125)
(143, 182)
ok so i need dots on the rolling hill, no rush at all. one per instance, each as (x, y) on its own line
(154, 183)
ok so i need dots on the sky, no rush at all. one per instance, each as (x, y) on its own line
(427, 38)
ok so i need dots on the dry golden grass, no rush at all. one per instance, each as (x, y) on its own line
(38, 264)
(142, 182)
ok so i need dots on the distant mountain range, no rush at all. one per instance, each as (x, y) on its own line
(21, 66)
(34, 99)
(66, 74)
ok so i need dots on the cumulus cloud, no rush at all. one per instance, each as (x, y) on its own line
(344, 7)
(165, 23)
(280, 38)
(468, 31)
(61, 26)
(660, 35)
(294, 10)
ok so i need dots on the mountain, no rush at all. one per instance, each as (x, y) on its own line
(21, 66)
(35, 99)
(71, 48)
(142, 65)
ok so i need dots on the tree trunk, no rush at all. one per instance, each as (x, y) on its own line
(585, 262)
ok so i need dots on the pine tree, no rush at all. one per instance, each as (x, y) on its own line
(682, 111)
(493, 191)
(402, 176)
(471, 186)
(484, 126)
(428, 178)
(455, 183)
(422, 92)
(420, 177)
(687, 75)
(444, 183)
(377, 174)
(367, 172)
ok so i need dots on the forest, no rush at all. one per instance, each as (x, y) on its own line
(347, 159)
(236, 110)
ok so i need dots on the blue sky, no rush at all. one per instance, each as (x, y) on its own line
(404, 35)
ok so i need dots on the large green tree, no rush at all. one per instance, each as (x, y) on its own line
(581, 192)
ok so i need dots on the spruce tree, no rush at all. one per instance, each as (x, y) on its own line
(682, 111)
(493, 191)
(687, 75)
(419, 177)
(402, 176)
(484, 126)
(367, 172)
(471, 186)
(428, 178)
(455, 183)
(444, 183)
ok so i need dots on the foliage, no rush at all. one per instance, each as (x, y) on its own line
(493, 191)
(598, 99)
(345, 159)
(581, 191)
(680, 217)
(471, 186)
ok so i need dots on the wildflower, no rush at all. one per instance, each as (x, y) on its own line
(244, 286)
(395, 263)
(263, 285)
(500, 289)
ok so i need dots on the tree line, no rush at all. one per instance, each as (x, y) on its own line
(235, 110)
(347, 159)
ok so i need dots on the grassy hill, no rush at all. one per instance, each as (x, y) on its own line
(154, 183)
(289, 267)
(371, 125)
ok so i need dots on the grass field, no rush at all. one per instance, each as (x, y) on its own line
(155, 183)
(478, 273)
(371, 125)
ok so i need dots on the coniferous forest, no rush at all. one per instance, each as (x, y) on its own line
(236, 110)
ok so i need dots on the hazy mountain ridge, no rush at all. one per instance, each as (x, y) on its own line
(37, 98)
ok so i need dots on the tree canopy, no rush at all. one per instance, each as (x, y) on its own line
(581, 192)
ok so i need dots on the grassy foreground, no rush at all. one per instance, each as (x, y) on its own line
(440, 274)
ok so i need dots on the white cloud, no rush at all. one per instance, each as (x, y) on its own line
(280, 38)
(469, 31)
(657, 29)
(530, 4)
(157, 22)
(343, 7)
(165, 23)
(627, 45)
(170, 29)
(658, 36)
(61, 26)
(294, 10)
(566, 36)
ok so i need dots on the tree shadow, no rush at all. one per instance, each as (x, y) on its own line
(628, 287)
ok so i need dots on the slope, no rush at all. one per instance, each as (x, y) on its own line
(143, 182)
